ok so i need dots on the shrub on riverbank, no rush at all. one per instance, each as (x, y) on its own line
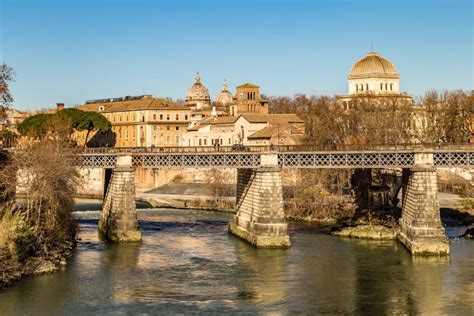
(36, 228)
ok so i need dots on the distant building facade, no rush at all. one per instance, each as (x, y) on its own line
(143, 121)
(246, 129)
(12, 118)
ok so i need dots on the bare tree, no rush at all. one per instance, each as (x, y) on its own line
(7, 74)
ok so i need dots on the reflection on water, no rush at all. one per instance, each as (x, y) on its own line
(188, 263)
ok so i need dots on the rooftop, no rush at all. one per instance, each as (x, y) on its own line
(131, 104)
(248, 85)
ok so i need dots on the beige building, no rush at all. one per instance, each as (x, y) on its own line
(12, 118)
(244, 129)
(143, 121)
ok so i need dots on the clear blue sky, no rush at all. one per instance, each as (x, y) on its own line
(73, 50)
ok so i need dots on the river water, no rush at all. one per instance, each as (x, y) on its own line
(188, 263)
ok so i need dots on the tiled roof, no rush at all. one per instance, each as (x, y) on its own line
(219, 120)
(134, 105)
(278, 120)
(214, 121)
(272, 131)
(248, 85)
(272, 119)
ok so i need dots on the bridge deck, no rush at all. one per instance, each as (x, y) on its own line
(288, 159)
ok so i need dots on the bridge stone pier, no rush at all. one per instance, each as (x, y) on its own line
(260, 218)
(421, 230)
(118, 221)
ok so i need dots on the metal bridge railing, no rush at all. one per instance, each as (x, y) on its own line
(281, 148)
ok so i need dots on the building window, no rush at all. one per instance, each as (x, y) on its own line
(177, 117)
(168, 128)
(357, 88)
(229, 141)
(185, 117)
(381, 86)
(133, 134)
(126, 134)
(177, 139)
(154, 117)
(205, 141)
(167, 117)
(177, 128)
(221, 141)
(367, 86)
(361, 87)
(161, 117)
(386, 86)
(200, 142)
(154, 128)
(168, 138)
(391, 86)
(120, 132)
(126, 118)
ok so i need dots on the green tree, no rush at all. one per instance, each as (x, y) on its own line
(72, 119)
(93, 121)
(35, 126)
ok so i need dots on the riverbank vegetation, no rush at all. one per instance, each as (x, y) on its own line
(37, 232)
(369, 196)
(37, 184)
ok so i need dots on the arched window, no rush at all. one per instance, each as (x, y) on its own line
(386, 86)
(367, 86)
(391, 86)
(381, 86)
(357, 87)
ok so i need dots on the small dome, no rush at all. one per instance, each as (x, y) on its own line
(373, 65)
(198, 92)
(225, 97)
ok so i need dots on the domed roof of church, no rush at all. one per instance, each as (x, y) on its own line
(225, 97)
(198, 92)
(373, 65)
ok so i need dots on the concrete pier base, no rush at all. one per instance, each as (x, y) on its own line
(260, 219)
(421, 230)
(119, 222)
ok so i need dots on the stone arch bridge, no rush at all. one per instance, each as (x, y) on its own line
(259, 202)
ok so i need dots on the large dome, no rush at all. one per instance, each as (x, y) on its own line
(373, 65)
(198, 92)
(225, 97)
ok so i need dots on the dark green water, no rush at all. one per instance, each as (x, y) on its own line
(187, 263)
